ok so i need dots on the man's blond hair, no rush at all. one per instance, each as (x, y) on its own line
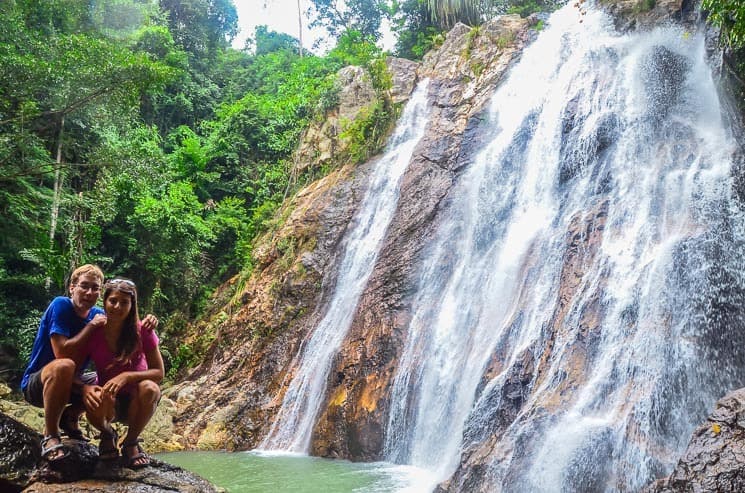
(87, 269)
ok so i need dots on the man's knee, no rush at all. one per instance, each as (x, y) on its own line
(60, 370)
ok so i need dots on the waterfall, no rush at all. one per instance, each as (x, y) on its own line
(293, 425)
(573, 315)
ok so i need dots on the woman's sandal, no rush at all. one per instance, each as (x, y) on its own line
(107, 447)
(46, 451)
(131, 461)
(68, 423)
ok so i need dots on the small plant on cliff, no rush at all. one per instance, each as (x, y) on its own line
(471, 37)
(366, 134)
(504, 40)
(477, 68)
(286, 247)
(182, 359)
(644, 6)
(729, 15)
(524, 8)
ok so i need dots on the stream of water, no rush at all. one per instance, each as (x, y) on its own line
(258, 472)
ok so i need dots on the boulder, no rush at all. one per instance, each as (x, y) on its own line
(23, 469)
(159, 433)
(715, 457)
(20, 454)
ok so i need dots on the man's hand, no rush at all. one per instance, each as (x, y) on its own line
(150, 322)
(98, 321)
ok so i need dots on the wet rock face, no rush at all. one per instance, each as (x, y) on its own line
(644, 14)
(715, 457)
(505, 406)
(23, 469)
(20, 454)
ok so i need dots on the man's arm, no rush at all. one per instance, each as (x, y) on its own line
(69, 347)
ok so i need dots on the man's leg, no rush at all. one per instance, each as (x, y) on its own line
(71, 414)
(56, 377)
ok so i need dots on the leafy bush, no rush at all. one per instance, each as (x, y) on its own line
(729, 15)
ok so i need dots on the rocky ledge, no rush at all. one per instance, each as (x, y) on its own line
(715, 457)
(23, 469)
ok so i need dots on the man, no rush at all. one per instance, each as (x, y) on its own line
(54, 375)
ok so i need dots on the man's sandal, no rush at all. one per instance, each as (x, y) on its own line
(139, 459)
(68, 423)
(47, 451)
(107, 447)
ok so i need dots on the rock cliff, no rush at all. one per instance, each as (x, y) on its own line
(229, 401)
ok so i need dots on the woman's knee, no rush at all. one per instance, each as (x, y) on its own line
(148, 391)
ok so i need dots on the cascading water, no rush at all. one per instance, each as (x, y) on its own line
(293, 426)
(572, 317)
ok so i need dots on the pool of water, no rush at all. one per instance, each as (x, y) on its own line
(258, 472)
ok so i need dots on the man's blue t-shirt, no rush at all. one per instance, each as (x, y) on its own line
(59, 318)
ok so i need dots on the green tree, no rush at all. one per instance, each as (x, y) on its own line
(339, 16)
(447, 12)
(201, 27)
(270, 41)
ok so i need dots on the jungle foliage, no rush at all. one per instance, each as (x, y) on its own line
(135, 137)
(132, 135)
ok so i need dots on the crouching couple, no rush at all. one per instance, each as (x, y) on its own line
(128, 364)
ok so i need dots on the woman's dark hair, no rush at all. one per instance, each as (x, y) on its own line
(129, 338)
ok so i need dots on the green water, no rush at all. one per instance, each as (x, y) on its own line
(251, 472)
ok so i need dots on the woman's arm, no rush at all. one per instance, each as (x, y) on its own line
(155, 371)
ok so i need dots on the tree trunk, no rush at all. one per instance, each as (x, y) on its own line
(300, 27)
(54, 215)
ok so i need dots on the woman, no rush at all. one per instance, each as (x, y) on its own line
(129, 367)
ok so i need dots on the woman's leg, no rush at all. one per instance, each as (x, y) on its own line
(141, 409)
(101, 418)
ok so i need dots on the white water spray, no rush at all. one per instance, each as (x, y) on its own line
(569, 369)
(293, 426)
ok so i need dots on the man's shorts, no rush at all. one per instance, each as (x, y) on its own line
(34, 391)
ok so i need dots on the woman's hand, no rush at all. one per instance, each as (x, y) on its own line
(113, 386)
(92, 396)
(150, 322)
